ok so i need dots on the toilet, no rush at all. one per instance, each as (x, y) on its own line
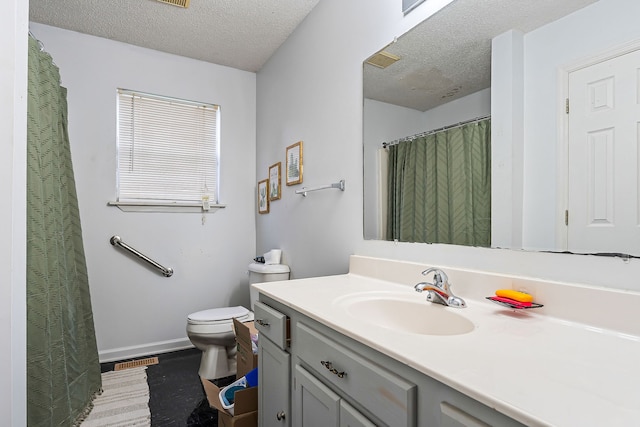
(212, 330)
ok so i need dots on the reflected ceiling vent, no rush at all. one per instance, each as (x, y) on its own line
(179, 3)
(382, 59)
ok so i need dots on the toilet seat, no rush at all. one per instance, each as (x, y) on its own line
(216, 316)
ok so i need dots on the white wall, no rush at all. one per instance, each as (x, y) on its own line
(303, 95)
(468, 107)
(507, 144)
(311, 90)
(13, 181)
(137, 310)
(592, 30)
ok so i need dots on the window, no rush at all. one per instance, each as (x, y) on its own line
(167, 151)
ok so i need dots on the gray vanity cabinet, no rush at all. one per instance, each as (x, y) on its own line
(350, 417)
(452, 416)
(323, 378)
(318, 406)
(274, 399)
(274, 362)
(387, 396)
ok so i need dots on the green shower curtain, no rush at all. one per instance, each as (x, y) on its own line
(63, 370)
(440, 187)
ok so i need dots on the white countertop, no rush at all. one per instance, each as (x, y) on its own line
(537, 369)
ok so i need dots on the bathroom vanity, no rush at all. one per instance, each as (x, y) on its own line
(365, 349)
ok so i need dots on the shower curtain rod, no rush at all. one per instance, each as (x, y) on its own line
(40, 44)
(430, 132)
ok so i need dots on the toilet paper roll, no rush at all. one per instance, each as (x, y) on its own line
(273, 256)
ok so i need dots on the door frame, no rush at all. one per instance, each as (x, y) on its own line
(562, 166)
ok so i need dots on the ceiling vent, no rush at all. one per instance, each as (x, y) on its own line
(382, 59)
(179, 3)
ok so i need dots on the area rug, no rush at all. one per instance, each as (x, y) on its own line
(124, 400)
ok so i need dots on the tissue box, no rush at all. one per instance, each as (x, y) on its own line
(245, 411)
(245, 358)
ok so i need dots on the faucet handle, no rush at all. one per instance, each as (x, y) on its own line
(440, 278)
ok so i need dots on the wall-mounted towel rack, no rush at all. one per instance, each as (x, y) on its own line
(305, 190)
(117, 241)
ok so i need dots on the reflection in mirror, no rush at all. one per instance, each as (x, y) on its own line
(442, 76)
(439, 186)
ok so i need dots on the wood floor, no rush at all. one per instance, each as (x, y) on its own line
(176, 396)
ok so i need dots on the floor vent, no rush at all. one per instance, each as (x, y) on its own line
(179, 3)
(135, 363)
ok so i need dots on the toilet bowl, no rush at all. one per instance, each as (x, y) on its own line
(211, 331)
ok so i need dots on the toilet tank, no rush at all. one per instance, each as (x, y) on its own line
(260, 273)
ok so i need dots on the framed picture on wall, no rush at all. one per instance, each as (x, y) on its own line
(263, 196)
(275, 191)
(294, 163)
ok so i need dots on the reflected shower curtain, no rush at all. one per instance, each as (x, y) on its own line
(440, 187)
(63, 371)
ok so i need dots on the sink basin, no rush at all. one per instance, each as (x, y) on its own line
(407, 314)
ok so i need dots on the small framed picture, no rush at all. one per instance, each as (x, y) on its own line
(263, 196)
(294, 163)
(275, 191)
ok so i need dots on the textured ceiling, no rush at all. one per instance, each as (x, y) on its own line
(444, 58)
(448, 56)
(242, 34)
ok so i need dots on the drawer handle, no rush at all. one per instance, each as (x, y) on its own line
(331, 369)
(280, 416)
(262, 322)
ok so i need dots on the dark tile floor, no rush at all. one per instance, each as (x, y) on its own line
(176, 396)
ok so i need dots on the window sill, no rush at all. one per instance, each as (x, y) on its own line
(164, 207)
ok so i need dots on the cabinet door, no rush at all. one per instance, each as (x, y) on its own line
(274, 384)
(315, 404)
(350, 417)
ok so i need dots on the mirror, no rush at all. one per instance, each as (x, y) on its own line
(443, 76)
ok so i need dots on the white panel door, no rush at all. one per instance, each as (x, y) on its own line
(603, 157)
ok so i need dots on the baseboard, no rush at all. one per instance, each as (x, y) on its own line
(125, 353)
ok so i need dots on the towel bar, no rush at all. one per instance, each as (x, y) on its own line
(117, 241)
(339, 185)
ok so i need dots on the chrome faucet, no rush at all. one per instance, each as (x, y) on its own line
(440, 290)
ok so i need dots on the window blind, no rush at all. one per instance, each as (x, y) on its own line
(167, 149)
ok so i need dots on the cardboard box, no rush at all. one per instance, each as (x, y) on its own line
(246, 360)
(245, 406)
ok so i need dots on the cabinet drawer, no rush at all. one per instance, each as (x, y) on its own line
(271, 324)
(387, 396)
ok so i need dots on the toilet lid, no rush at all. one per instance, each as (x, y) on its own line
(216, 314)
